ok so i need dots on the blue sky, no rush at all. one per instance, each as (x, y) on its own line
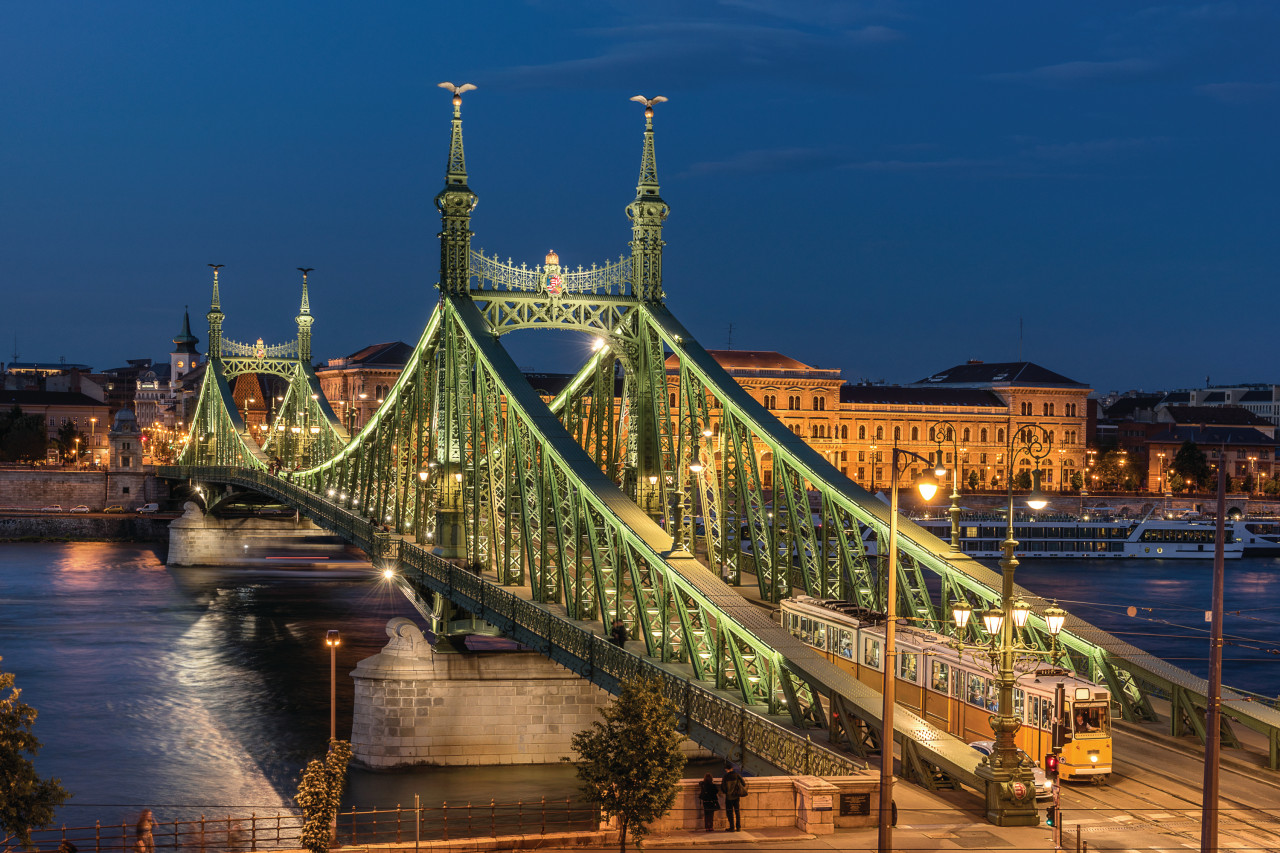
(885, 187)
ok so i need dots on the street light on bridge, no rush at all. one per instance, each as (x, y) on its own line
(928, 487)
(938, 436)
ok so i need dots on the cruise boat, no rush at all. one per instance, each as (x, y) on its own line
(1260, 536)
(1058, 536)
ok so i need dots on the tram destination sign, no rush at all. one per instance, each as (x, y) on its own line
(1052, 672)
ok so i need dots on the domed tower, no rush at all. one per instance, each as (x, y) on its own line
(126, 443)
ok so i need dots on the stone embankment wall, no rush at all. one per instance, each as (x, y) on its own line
(120, 528)
(33, 488)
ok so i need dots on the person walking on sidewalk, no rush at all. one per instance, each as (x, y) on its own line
(735, 788)
(709, 794)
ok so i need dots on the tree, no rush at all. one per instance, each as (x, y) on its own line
(22, 437)
(27, 802)
(974, 480)
(1077, 480)
(630, 763)
(66, 440)
(320, 794)
(1192, 465)
(1022, 480)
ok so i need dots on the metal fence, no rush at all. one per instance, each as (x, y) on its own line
(359, 826)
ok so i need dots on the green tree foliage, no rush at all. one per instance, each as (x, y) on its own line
(66, 440)
(1077, 480)
(974, 480)
(22, 437)
(320, 794)
(27, 802)
(630, 762)
(1022, 480)
(1193, 466)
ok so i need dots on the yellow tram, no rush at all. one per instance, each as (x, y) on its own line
(957, 692)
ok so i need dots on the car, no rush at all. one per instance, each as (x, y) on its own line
(114, 508)
(149, 508)
(1044, 788)
(81, 508)
(52, 508)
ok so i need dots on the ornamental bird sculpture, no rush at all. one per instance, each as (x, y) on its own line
(641, 99)
(465, 87)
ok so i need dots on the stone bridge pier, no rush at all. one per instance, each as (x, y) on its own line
(198, 538)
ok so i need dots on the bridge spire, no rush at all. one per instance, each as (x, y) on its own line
(455, 202)
(215, 317)
(647, 213)
(304, 320)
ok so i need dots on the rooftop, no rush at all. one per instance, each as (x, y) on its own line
(917, 395)
(981, 373)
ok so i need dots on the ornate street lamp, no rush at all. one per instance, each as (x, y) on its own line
(333, 640)
(1010, 790)
(939, 436)
(928, 487)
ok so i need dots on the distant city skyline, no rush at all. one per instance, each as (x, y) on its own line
(889, 188)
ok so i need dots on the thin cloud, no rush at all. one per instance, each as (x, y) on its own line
(763, 161)
(1080, 72)
(1238, 93)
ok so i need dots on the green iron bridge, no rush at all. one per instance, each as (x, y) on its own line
(559, 517)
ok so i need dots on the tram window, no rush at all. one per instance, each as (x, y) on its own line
(1046, 714)
(871, 652)
(941, 677)
(1089, 720)
(820, 635)
(907, 670)
(993, 696)
(846, 643)
(1034, 717)
(1019, 703)
(977, 690)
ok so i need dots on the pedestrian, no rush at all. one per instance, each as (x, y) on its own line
(735, 788)
(144, 842)
(709, 794)
(618, 636)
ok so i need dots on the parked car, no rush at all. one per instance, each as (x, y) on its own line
(52, 508)
(114, 508)
(1044, 788)
(149, 508)
(81, 508)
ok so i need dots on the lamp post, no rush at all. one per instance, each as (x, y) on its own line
(928, 486)
(1010, 792)
(333, 640)
(873, 469)
(939, 436)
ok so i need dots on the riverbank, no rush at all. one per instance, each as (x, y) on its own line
(62, 527)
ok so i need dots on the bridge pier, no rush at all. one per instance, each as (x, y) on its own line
(199, 539)
(415, 705)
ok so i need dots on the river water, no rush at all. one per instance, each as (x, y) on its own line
(196, 691)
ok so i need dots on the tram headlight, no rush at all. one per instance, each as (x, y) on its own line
(1093, 758)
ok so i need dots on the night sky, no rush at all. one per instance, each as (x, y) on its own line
(886, 187)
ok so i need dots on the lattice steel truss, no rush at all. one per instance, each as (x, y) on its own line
(597, 505)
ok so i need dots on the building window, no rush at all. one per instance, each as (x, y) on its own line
(915, 433)
(966, 434)
(983, 435)
(770, 401)
(844, 456)
(862, 431)
(1000, 436)
(879, 433)
(897, 433)
(844, 432)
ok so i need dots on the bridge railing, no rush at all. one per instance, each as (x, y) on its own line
(713, 720)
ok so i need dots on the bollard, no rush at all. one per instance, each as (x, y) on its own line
(417, 822)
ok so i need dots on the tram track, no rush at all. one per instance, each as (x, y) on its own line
(1243, 816)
